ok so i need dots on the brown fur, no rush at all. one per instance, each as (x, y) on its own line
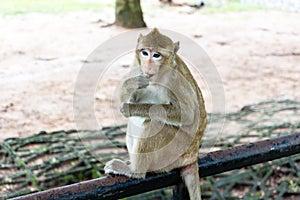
(172, 113)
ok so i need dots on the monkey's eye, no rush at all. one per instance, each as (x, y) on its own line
(156, 56)
(144, 53)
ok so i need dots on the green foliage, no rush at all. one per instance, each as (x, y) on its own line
(50, 6)
(294, 185)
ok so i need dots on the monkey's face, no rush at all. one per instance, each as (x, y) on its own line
(151, 61)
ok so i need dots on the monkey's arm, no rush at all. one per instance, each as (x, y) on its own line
(165, 112)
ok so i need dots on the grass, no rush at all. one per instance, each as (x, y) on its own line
(13, 7)
(52, 6)
(230, 6)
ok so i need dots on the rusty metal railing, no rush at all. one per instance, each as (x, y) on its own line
(115, 187)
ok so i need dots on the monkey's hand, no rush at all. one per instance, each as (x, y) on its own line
(124, 109)
(131, 85)
(147, 110)
(136, 82)
(142, 81)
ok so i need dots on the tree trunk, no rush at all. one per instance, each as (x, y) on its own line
(129, 14)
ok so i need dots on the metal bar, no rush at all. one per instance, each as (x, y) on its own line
(114, 187)
(249, 154)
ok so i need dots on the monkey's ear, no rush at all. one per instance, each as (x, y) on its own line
(176, 47)
(155, 30)
(140, 37)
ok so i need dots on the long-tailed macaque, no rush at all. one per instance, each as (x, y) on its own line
(166, 114)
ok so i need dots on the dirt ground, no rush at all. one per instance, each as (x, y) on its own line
(257, 54)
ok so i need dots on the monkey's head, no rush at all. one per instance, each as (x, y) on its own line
(155, 51)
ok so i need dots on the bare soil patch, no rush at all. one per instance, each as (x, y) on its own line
(257, 54)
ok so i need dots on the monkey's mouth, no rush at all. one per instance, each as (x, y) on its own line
(149, 75)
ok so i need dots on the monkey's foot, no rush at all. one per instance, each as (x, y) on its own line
(119, 167)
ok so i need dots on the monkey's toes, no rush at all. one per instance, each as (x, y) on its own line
(118, 167)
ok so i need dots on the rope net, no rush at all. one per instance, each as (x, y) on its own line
(47, 160)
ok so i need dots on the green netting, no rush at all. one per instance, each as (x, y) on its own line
(48, 160)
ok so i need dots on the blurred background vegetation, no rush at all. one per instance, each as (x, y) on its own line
(62, 6)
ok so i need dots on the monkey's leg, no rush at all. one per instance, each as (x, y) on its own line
(139, 165)
(190, 177)
(139, 161)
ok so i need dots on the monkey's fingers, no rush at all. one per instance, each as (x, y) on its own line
(143, 81)
(124, 109)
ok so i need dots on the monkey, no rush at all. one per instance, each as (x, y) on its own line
(166, 114)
